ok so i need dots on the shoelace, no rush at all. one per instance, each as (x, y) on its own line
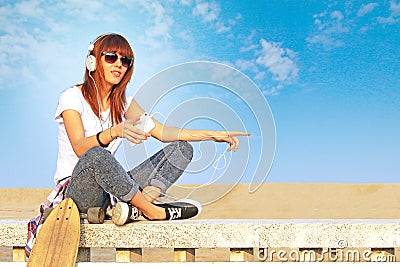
(174, 213)
(134, 213)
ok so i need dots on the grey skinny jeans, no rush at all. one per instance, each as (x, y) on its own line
(98, 173)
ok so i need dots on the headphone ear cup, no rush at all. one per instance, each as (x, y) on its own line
(91, 63)
(90, 47)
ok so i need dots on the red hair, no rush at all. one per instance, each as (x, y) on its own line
(110, 43)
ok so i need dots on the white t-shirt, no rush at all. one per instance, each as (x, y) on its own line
(72, 98)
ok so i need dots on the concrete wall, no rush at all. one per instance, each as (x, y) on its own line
(271, 201)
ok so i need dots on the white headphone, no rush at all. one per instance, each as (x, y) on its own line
(90, 59)
(91, 66)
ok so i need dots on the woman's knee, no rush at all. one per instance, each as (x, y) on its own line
(185, 149)
(96, 155)
(91, 159)
(96, 152)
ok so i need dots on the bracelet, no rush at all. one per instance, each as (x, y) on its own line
(98, 140)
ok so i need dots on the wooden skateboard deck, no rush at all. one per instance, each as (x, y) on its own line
(57, 242)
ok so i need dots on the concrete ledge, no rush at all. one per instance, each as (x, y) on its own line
(245, 233)
(182, 237)
(227, 233)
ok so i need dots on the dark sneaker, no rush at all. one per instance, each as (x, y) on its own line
(182, 209)
(124, 213)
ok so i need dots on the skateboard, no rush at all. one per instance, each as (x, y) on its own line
(57, 242)
(95, 215)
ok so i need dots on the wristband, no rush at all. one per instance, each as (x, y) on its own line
(98, 140)
(112, 138)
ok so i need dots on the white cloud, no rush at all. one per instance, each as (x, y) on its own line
(248, 48)
(6, 72)
(394, 16)
(326, 40)
(185, 2)
(90, 10)
(185, 36)
(246, 65)
(395, 9)
(221, 28)
(269, 63)
(278, 60)
(333, 29)
(329, 29)
(337, 15)
(16, 43)
(159, 31)
(208, 11)
(29, 9)
(365, 9)
(25, 27)
(36, 38)
(259, 76)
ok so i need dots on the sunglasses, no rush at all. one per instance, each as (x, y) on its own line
(111, 58)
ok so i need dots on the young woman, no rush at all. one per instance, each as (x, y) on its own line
(93, 118)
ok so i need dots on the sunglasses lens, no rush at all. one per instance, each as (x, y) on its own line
(110, 57)
(126, 61)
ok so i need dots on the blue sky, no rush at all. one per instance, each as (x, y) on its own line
(328, 70)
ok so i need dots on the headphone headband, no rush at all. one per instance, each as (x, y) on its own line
(91, 59)
(91, 45)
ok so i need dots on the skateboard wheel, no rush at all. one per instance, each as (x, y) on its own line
(96, 215)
